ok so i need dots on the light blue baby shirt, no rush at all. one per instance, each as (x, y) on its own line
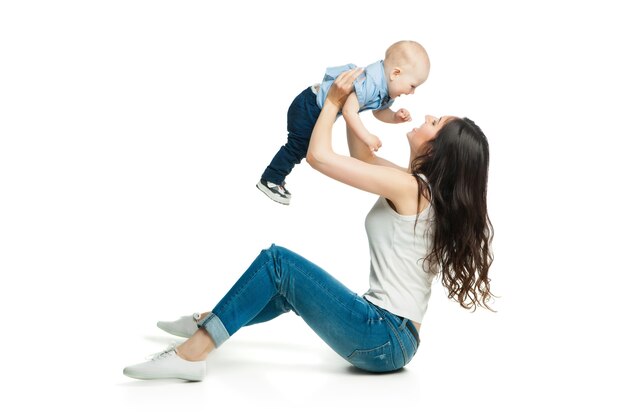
(370, 88)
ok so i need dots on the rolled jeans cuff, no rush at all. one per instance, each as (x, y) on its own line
(214, 327)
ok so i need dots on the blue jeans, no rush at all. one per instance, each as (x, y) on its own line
(301, 117)
(278, 281)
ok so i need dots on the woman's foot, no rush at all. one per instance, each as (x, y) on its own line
(185, 326)
(196, 348)
(168, 364)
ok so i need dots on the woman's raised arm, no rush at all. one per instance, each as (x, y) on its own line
(386, 181)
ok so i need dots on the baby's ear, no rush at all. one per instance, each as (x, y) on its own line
(395, 73)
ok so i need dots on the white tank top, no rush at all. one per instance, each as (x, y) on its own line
(399, 281)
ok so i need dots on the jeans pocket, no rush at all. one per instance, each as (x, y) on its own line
(379, 359)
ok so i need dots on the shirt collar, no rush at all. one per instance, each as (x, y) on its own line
(377, 69)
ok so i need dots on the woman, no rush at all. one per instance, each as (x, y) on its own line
(431, 218)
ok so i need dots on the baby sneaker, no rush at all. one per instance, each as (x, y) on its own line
(276, 192)
(167, 365)
(185, 326)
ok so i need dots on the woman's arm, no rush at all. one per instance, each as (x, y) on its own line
(386, 181)
(360, 151)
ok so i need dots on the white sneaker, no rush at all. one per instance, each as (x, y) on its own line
(167, 364)
(185, 326)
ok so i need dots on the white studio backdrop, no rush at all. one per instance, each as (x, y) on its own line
(132, 134)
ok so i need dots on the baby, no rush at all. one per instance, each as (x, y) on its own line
(405, 67)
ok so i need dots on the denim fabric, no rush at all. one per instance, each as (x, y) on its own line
(301, 117)
(278, 281)
(214, 326)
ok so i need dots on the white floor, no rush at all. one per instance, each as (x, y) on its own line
(480, 364)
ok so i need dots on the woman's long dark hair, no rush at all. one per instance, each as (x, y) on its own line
(456, 164)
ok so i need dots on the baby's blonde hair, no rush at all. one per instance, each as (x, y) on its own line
(406, 53)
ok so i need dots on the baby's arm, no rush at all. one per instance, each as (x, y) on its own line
(389, 116)
(350, 113)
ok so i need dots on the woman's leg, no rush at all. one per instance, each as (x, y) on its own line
(279, 277)
(273, 309)
(199, 345)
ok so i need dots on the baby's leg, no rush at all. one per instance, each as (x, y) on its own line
(290, 154)
(301, 117)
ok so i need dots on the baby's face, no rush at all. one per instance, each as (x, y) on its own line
(405, 80)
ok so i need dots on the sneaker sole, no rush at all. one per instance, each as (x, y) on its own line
(144, 377)
(272, 195)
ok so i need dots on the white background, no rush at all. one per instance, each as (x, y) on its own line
(132, 134)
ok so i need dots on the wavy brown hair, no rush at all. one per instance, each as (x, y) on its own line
(456, 164)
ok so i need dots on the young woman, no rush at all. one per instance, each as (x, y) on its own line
(430, 219)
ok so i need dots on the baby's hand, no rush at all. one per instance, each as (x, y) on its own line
(402, 116)
(372, 142)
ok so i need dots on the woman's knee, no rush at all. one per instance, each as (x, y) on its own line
(276, 251)
(283, 260)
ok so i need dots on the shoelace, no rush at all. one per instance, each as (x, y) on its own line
(165, 353)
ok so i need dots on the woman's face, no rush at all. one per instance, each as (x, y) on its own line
(427, 131)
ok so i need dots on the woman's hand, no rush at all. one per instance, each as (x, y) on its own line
(342, 87)
(377, 178)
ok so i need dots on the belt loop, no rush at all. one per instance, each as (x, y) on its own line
(403, 324)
